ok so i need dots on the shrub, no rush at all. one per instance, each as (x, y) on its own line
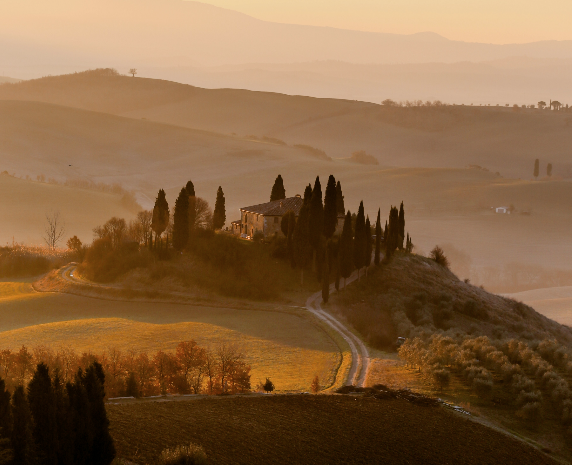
(439, 257)
(442, 377)
(531, 411)
(184, 455)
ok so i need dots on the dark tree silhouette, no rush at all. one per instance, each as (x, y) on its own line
(326, 276)
(346, 251)
(438, 255)
(5, 412)
(401, 233)
(278, 191)
(43, 409)
(392, 232)
(63, 424)
(190, 188)
(287, 225)
(133, 71)
(360, 242)
(219, 215)
(268, 386)
(549, 170)
(79, 418)
(181, 221)
(160, 219)
(103, 449)
(301, 241)
(330, 208)
(368, 245)
(316, 215)
(22, 440)
(308, 194)
(536, 168)
(378, 238)
(340, 199)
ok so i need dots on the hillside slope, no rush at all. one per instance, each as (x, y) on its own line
(498, 138)
(25, 204)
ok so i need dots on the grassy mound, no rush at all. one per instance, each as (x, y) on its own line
(413, 295)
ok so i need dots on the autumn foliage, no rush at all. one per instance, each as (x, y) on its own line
(190, 369)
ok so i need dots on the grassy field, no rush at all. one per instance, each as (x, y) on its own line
(313, 430)
(26, 203)
(282, 345)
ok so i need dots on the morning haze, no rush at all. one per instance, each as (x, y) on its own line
(287, 232)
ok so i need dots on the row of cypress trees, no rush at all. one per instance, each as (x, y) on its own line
(184, 214)
(311, 238)
(49, 423)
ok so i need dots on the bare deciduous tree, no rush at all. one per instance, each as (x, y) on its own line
(203, 214)
(54, 230)
(133, 71)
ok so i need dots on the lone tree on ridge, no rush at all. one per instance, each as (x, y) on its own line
(549, 170)
(133, 71)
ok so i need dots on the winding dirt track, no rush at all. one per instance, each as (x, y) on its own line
(359, 367)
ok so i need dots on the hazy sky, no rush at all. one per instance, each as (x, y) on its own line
(496, 21)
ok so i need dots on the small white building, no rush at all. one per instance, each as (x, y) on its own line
(504, 210)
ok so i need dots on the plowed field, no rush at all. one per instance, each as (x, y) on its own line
(313, 430)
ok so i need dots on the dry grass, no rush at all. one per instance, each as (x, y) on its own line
(284, 346)
(312, 429)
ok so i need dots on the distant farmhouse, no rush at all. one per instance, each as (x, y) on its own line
(505, 210)
(266, 217)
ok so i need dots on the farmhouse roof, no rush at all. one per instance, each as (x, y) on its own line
(277, 207)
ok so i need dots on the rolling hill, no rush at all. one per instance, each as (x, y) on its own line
(25, 204)
(497, 138)
(140, 133)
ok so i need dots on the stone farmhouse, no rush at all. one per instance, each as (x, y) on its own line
(266, 217)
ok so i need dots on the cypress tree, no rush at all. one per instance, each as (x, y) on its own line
(181, 221)
(219, 215)
(103, 449)
(278, 191)
(330, 208)
(63, 422)
(536, 168)
(401, 233)
(326, 276)
(378, 238)
(160, 219)
(80, 420)
(316, 221)
(22, 440)
(360, 242)
(392, 232)
(287, 226)
(190, 188)
(549, 170)
(301, 241)
(368, 244)
(345, 251)
(340, 199)
(43, 409)
(5, 412)
(308, 194)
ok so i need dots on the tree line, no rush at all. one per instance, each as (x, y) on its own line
(56, 422)
(190, 369)
(312, 240)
